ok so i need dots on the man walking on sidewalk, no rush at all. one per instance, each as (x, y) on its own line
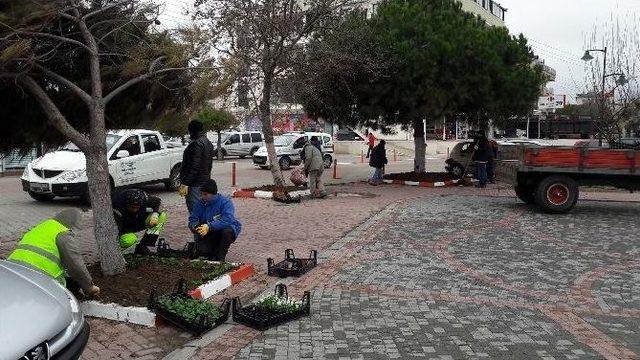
(197, 162)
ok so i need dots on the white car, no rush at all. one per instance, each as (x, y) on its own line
(40, 319)
(288, 147)
(136, 157)
(238, 143)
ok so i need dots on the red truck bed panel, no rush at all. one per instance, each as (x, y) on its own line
(557, 157)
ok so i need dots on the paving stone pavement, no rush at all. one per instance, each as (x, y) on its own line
(456, 277)
(475, 259)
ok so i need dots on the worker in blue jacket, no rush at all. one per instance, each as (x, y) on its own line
(214, 222)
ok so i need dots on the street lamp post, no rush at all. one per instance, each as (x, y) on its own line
(622, 80)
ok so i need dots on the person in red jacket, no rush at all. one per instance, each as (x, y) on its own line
(371, 141)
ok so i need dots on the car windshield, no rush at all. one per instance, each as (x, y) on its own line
(111, 140)
(284, 140)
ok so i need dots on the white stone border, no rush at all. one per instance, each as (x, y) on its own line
(259, 194)
(422, 183)
(143, 316)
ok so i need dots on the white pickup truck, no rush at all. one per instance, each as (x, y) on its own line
(136, 157)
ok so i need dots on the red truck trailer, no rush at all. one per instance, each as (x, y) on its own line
(551, 176)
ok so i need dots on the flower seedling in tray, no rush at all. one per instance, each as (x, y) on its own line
(272, 310)
(187, 313)
(291, 266)
(164, 250)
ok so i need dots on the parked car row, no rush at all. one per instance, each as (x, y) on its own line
(288, 147)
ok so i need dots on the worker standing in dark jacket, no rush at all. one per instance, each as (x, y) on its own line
(377, 161)
(197, 162)
(482, 155)
(135, 211)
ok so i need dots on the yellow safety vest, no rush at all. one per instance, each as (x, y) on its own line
(38, 249)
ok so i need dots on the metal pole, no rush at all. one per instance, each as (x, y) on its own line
(604, 90)
(528, 124)
(539, 119)
(233, 174)
(335, 169)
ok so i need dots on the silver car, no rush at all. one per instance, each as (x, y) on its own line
(39, 318)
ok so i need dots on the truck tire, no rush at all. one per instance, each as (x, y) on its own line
(41, 197)
(327, 161)
(285, 163)
(525, 193)
(174, 178)
(253, 151)
(557, 194)
(457, 171)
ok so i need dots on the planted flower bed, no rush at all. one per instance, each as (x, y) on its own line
(272, 310)
(291, 266)
(132, 287)
(187, 313)
(421, 179)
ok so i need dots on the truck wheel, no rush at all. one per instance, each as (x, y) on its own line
(285, 163)
(242, 156)
(41, 197)
(253, 151)
(525, 193)
(557, 194)
(327, 161)
(457, 171)
(174, 179)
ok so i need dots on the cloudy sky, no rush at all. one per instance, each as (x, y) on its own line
(557, 30)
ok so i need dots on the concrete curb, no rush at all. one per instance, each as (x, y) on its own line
(423, 183)
(143, 316)
(259, 194)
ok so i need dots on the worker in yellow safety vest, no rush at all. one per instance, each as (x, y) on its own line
(51, 248)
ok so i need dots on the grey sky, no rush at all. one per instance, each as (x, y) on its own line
(557, 30)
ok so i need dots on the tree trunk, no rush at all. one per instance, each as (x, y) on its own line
(267, 130)
(419, 164)
(106, 232)
(219, 146)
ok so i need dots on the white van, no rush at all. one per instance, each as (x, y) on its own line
(238, 143)
(288, 148)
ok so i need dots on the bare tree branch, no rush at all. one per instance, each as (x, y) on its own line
(117, 91)
(66, 82)
(103, 9)
(55, 117)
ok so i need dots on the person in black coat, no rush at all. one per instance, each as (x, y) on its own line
(197, 162)
(377, 161)
(482, 155)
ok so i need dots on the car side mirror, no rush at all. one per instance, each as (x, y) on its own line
(122, 154)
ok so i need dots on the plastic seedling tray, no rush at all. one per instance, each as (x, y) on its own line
(200, 325)
(291, 266)
(164, 250)
(261, 319)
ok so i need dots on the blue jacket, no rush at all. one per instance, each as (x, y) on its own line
(218, 213)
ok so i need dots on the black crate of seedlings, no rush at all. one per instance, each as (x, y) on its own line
(271, 311)
(192, 315)
(291, 266)
(164, 250)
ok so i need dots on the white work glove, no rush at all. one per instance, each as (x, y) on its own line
(153, 219)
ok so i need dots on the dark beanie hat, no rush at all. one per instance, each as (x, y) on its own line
(210, 187)
(195, 126)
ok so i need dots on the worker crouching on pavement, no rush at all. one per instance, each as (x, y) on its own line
(214, 222)
(135, 211)
(51, 248)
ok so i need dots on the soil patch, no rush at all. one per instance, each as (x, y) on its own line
(420, 177)
(286, 189)
(144, 273)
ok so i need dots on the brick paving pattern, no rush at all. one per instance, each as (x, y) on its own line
(451, 277)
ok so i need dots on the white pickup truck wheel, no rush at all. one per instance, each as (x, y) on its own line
(174, 179)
